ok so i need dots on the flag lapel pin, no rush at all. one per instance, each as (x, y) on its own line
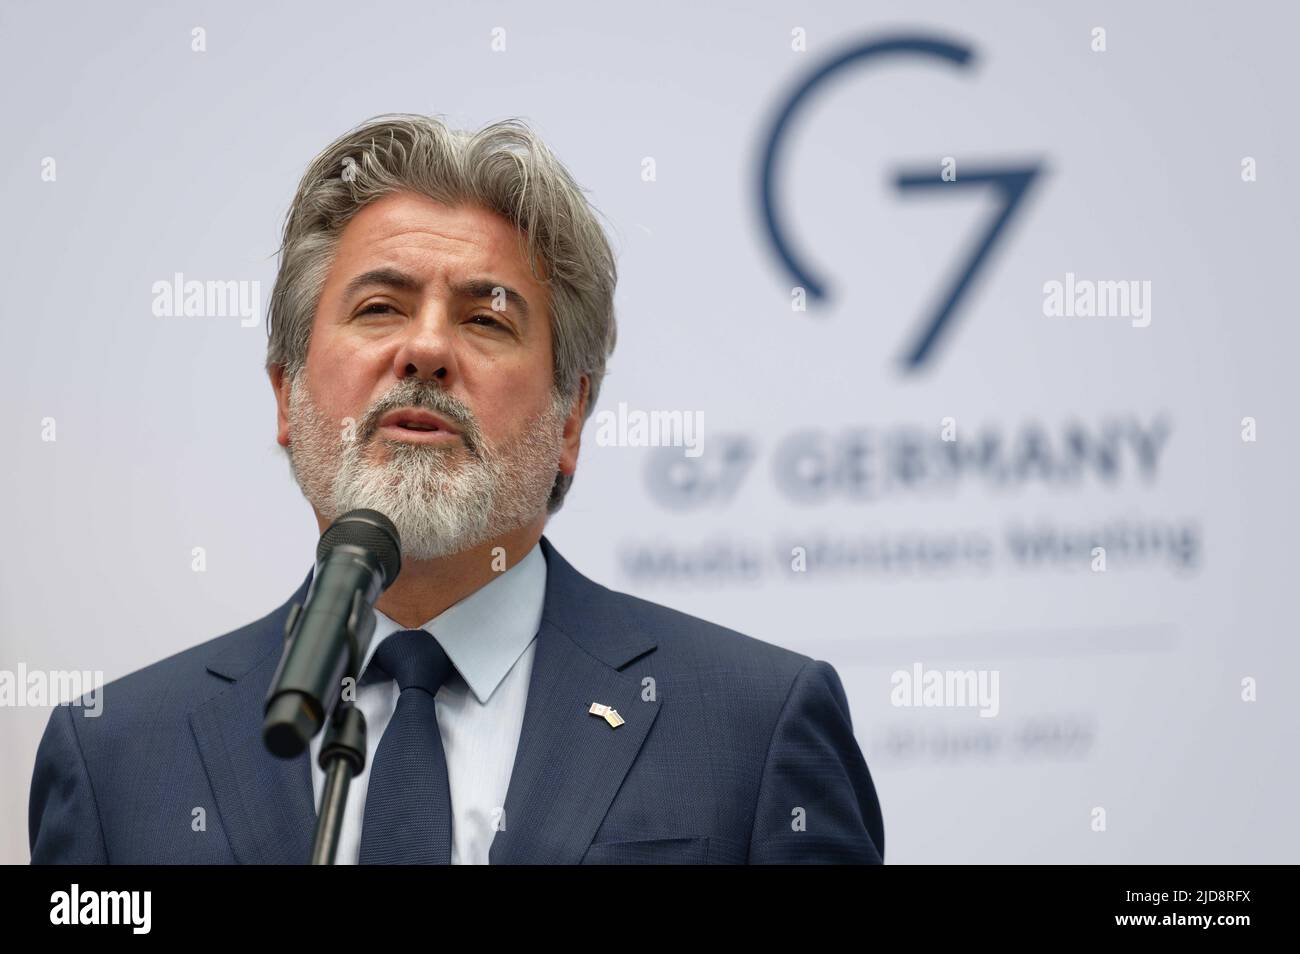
(610, 715)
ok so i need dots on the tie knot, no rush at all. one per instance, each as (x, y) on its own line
(413, 658)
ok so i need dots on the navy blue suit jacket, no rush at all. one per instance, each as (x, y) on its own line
(738, 751)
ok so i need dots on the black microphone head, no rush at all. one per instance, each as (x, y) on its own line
(370, 530)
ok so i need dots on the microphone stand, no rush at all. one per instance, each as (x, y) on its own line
(342, 756)
(342, 751)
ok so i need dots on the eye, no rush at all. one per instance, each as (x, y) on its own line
(488, 318)
(372, 309)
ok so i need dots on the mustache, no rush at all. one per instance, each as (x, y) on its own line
(433, 399)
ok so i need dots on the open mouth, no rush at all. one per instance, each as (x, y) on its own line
(412, 432)
(417, 424)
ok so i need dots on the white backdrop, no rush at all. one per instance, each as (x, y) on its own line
(1119, 690)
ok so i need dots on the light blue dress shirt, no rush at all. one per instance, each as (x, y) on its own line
(490, 637)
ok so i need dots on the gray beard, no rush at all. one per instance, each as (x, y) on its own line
(443, 500)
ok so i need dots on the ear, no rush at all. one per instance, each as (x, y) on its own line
(573, 430)
(280, 384)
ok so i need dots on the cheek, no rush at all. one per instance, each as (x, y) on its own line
(340, 386)
(508, 417)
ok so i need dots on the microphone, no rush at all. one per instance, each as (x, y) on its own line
(326, 637)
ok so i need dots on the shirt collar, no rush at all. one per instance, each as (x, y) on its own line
(485, 633)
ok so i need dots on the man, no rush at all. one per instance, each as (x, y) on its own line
(439, 330)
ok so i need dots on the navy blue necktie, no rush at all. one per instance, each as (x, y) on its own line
(408, 800)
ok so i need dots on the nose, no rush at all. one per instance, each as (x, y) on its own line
(426, 351)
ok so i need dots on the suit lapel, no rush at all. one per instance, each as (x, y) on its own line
(266, 803)
(570, 764)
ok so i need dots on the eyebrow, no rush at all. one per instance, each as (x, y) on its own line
(476, 288)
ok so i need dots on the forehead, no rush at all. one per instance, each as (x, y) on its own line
(438, 241)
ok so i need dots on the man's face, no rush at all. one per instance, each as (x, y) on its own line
(432, 308)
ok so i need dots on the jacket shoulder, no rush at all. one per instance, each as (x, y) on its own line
(700, 641)
(175, 683)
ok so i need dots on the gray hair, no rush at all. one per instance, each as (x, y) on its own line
(505, 168)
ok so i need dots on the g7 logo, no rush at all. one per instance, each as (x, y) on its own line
(1010, 182)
